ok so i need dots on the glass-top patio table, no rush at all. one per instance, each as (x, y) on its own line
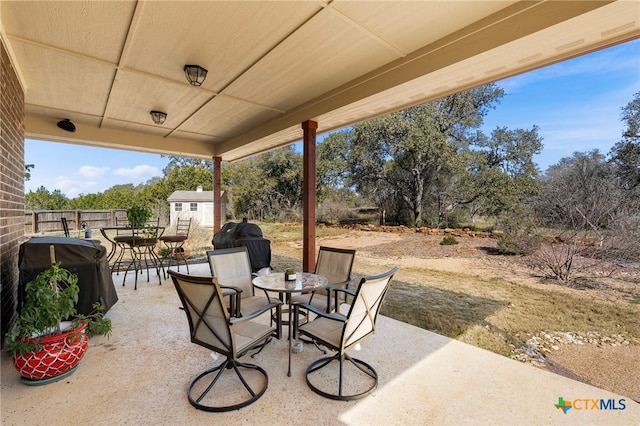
(304, 282)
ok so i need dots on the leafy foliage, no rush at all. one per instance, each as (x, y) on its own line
(138, 215)
(502, 173)
(268, 186)
(625, 155)
(27, 171)
(43, 199)
(449, 240)
(520, 232)
(429, 160)
(49, 299)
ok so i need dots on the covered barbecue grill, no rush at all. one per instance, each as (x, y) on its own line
(85, 258)
(237, 234)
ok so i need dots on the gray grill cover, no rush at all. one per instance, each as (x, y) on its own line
(234, 234)
(86, 258)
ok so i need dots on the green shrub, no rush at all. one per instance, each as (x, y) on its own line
(138, 215)
(519, 234)
(449, 240)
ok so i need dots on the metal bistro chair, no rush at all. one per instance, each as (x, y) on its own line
(335, 264)
(124, 232)
(211, 327)
(65, 226)
(175, 242)
(341, 333)
(142, 245)
(232, 268)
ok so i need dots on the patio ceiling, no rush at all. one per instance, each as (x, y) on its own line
(272, 65)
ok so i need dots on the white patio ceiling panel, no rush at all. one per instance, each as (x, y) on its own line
(413, 25)
(223, 117)
(274, 64)
(63, 94)
(281, 79)
(226, 38)
(135, 94)
(95, 29)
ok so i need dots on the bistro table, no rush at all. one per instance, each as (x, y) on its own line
(110, 238)
(124, 232)
(305, 281)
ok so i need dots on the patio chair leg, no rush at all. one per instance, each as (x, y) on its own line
(340, 396)
(196, 400)
(303, 340)
(261, 346)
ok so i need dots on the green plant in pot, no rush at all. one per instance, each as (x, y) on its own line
(50, 337)
(138, 216)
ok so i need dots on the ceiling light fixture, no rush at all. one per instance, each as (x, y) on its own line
(158, 116)
(67, 125)
(195, 74)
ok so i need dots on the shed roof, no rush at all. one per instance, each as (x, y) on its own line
(192, 196)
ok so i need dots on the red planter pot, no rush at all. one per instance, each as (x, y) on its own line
(59, 355)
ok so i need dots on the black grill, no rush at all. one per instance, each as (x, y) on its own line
(85, 258)
(238, 234)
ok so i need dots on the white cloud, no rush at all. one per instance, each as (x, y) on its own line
(141, 171)
(72, 188)
(92, 172)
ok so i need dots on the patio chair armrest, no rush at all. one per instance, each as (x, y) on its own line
(234, 299)
(344, 285)
(238, 290)
(336, 317)
(336, 292)
(256, 313)
(345, 290)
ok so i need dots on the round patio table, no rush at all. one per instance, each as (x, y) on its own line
(304, 282)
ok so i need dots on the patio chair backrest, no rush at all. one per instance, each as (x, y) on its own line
(65, 226)
(206, 311)
(232, 268)
(335, 264)
(362, 316)
(124, 223)
(183, 227)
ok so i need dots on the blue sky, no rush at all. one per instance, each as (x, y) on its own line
(576, 105)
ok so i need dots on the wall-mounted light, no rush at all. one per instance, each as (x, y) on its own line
(195, 74)
(67, 125)
(158, 116)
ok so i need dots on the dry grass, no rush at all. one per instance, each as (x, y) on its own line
(492, 313)
(288, 232)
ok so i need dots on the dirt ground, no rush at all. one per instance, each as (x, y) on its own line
(614, 368)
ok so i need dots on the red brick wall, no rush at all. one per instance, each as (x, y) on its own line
(11, 186)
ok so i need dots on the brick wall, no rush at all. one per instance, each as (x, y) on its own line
(11, 186)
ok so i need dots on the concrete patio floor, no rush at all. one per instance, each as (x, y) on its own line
(140, 377)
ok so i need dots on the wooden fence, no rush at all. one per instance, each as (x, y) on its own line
(50, 220)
